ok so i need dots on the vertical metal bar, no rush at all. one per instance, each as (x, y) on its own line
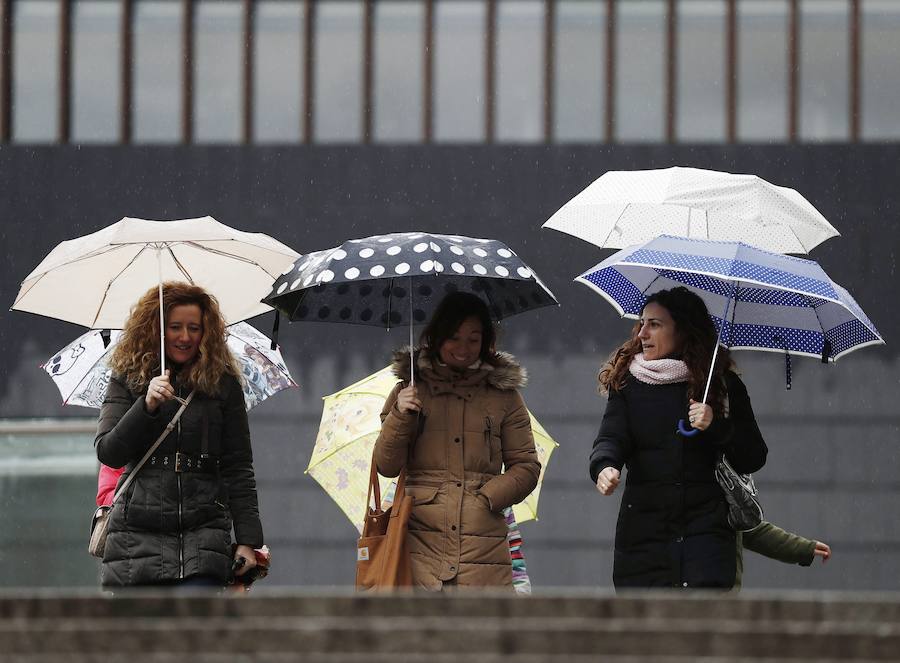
(793, 58)
(490, 43)
(64, 107)
(611, 31)
(731, 73)
(126, 91)
(247, 73)
(428, 75)
(549, 67)
(855, 72)
(368, 70)
(187, 71)
(6, 22)
(671, 69)
(309, 47)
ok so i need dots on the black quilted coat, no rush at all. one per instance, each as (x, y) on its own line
(169, 525)
(672, 529)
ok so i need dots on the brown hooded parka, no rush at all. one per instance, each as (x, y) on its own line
(473, 425)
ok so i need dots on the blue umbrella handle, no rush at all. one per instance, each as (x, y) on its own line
(686, 431)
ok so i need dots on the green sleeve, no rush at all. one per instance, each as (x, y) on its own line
(772, 541)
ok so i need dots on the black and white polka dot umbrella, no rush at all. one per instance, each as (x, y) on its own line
(391, 280)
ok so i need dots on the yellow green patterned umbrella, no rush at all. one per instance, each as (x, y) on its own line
(351, 420)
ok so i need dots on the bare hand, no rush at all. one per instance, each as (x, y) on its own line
(408, 400)
(158, 392)
(249, 559)
(700, 415)
(607, 480)
(822, 550)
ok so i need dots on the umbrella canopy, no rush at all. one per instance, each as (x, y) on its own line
(757, 299)
(342, 456)
(623, 208)
(95, 280)
(399, 278)
(81, 373)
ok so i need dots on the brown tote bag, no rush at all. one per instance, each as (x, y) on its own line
(382, 554)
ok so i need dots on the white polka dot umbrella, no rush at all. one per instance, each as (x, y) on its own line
(367, 281)
(399, 278)
(758, 300)
(622, 208)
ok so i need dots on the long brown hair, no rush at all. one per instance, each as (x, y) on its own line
(697, 338)
(137, 354)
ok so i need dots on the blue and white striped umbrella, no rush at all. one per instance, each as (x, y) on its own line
(767, 301)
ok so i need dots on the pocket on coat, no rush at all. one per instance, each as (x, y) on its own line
(422, 494)
(428, 510)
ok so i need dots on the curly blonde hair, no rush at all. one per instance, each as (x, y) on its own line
(137, 354)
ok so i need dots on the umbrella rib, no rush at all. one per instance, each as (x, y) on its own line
(178, 264)
(226, 254)
(340, 448)
(93, 254)
(615, 223)
(112, 280)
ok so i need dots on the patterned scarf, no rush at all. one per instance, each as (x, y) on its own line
(658, 371)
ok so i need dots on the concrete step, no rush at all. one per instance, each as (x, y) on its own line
(425, 627)
(815, 607)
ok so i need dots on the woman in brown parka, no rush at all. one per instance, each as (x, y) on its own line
(455, 431)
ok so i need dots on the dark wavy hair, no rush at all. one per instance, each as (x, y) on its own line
(453, 310)
(136, 355)
(697, 338)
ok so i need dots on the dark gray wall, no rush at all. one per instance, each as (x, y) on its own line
(833, 438)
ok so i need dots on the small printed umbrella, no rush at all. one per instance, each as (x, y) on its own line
(94, 280)
(758, 300)
(81, 373)
(399, 278)
(627, 207)
(351, 421)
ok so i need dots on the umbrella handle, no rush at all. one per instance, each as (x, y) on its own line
(686, 431)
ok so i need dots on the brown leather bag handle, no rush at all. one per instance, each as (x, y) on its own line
(375, 486)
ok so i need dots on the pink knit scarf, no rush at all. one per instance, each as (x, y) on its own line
(658, 371)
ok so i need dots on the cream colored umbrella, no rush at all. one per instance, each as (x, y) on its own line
(351, 420)
(94, 280)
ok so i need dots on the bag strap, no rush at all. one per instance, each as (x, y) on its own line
(375, 486)
(162, 436)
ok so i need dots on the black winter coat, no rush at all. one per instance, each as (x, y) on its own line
(169, 525)
(672, 529)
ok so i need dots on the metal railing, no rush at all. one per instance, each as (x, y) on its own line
(188, 10)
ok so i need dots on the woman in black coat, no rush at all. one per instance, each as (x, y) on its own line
(173, 524)
(672, 529)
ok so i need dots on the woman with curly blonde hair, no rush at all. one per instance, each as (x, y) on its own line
(173, 525)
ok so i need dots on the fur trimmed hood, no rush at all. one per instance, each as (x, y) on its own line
(501, 371)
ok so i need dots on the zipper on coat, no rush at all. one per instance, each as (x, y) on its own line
(488, 432)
